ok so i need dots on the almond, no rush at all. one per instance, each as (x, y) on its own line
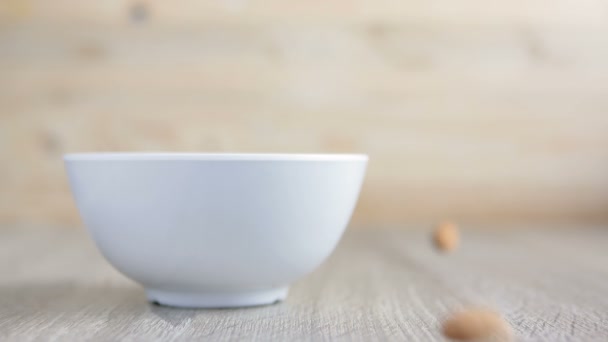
(446, 236)
(477, 324)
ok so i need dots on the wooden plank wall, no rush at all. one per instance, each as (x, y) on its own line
(473, 109)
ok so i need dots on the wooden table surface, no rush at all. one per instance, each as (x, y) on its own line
(550, 284)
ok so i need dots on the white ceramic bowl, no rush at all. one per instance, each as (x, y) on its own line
(215, 230)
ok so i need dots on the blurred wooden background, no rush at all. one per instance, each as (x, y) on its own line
(477, 110)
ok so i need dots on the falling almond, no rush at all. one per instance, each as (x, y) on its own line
(446, 236)
(477, 324)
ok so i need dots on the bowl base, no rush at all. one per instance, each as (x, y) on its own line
(217, 299)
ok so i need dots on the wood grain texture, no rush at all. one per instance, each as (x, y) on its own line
(476, 110)
(378, 285)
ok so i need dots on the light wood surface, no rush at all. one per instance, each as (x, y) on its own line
(381, 285)
(472, 109)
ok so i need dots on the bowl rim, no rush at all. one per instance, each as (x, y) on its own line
(132, 156)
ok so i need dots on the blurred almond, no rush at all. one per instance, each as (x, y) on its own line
(477, 325)
(446, 236)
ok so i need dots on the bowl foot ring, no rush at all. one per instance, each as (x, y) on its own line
(217, 299)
